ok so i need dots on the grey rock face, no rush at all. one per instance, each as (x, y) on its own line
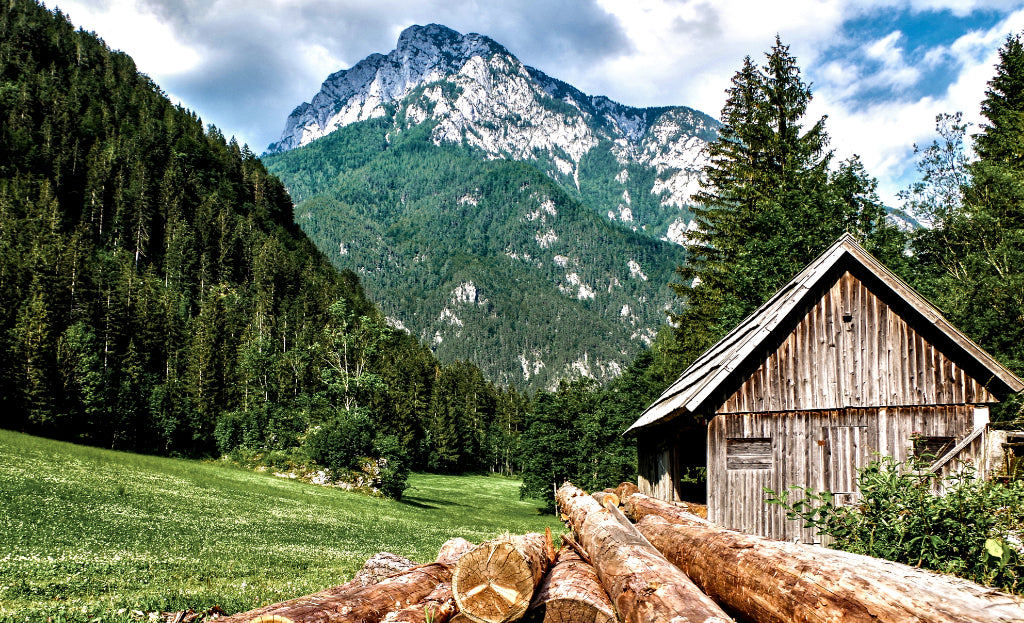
(481, 95)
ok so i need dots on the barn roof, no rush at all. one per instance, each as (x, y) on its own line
(698, 383)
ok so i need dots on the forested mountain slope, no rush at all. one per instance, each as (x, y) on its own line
(486, 260)
(158, 295)
(499, 214)
(637, 166)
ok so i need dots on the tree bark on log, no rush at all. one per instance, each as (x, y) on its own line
(439, 606)
(605, 497)
(348, 604)
(382, 568)
(626, 489)
(774, 581)
(643, 585)
(452, 550)
(571, 592)
(495, 581)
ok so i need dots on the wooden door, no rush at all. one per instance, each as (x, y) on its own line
(844, 452)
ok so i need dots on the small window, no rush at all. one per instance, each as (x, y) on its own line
(748, 453)
(931, 448)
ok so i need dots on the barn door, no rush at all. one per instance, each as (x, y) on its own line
(844, 452)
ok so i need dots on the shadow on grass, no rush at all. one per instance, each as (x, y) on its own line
(412, 500)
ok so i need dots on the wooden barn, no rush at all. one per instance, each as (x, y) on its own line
(844, 362)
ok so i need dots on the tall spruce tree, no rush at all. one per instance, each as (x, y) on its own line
(768, 204)
(982, 283)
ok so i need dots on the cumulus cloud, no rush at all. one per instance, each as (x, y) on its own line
(883, 132)
(245, 64)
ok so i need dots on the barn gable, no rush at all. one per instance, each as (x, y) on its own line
(853, 349)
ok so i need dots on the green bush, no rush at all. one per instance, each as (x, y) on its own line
(393, 464)
(340, 444)
(972, 530)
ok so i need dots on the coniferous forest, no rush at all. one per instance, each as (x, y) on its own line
(159, 297)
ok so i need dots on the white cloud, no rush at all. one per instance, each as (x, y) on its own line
(125, 25)
(896, 72)
(883, 133)
(244, 64)
(686, 52)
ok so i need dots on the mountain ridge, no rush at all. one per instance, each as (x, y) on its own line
(402, 164)
(555, 124)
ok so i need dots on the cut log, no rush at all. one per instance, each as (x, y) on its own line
(774, 581)
(495, 581)
(571, 593)
(452, 550)
(625, 489)
(352, 604)
(643, 585)
(438, 607)
(605, 497)
(637, 506)
(380, 566)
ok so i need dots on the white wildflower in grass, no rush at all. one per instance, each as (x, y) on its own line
(89, 533)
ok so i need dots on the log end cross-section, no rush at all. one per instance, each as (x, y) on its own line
(494, 582)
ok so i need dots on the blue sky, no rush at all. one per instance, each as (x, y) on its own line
(881, 69)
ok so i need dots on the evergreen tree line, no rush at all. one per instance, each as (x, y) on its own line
(771, 200)
(160, 298)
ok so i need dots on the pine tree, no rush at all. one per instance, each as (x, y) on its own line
(768, 204)
(983, 283)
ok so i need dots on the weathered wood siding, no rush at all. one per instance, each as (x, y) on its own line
(821, 449)
(657, 474)
(852, 350)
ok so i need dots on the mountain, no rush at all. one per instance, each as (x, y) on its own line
(499, 214)
(637, 166)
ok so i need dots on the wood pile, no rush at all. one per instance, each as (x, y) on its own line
(670, 566)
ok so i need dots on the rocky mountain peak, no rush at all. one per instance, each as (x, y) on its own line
(424, 54)
(474, 92)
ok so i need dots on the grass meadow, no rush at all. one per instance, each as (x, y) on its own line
(88, 534)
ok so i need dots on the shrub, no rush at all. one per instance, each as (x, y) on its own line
(339, 444)
(972, 530)
(394, 466)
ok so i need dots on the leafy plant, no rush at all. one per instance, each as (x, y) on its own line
(971, 530)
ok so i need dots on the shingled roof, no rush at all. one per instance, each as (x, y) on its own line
(698, 383)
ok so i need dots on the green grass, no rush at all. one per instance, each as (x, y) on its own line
(91, 534)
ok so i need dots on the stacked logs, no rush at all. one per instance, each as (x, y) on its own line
(671, 566)
(498, 581)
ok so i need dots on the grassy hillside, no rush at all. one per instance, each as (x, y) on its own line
(93, 533)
